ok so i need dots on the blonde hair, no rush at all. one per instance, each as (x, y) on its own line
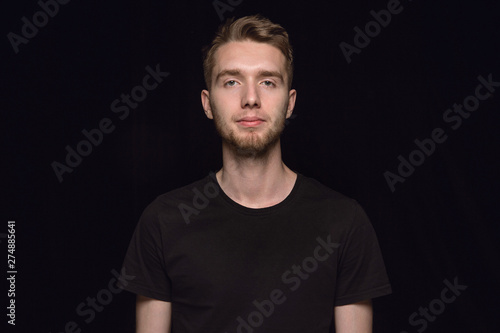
(254, 28)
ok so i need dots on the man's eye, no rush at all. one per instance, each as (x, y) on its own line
(231, 83)
(268, 83)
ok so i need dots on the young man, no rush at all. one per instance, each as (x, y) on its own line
(255, 247)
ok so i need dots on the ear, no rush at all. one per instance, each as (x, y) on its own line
(205, 101)
(292, 95)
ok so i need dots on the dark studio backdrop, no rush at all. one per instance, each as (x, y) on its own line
(400, 113)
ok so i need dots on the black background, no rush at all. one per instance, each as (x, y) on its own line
(352, 122)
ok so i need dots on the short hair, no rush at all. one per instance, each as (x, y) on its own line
(255, 28)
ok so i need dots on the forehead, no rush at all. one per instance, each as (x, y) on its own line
(249, 56)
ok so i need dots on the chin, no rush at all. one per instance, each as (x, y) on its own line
(252, 147)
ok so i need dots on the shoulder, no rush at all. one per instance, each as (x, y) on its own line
(182, 194)
(334, 204)
(168, 205)
(314, 188)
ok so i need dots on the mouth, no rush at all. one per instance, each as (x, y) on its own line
(250, 121)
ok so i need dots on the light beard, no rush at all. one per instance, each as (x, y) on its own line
(250, 144)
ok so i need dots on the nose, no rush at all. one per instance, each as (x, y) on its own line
(250, 97)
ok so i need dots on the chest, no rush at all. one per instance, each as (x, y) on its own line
(233, 260)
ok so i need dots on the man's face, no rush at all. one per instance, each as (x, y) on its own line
(249, 98)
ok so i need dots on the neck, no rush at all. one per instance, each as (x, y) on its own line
(255, 182)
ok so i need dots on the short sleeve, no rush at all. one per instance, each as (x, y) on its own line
(144, 259)
(361, 273)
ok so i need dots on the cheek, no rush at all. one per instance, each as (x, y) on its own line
(278, 101)
(277, 94)
(221, 109)
(227, 98)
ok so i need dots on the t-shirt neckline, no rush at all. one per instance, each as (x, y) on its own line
(258, 211)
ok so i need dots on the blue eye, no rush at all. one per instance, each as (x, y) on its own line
(231, 83)
(268, 83)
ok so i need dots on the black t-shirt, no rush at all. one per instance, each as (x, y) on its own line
(229, 268)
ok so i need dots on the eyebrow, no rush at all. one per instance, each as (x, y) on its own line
(260, 73)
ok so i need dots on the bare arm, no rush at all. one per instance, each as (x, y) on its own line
(354, 318)
(152, 315)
